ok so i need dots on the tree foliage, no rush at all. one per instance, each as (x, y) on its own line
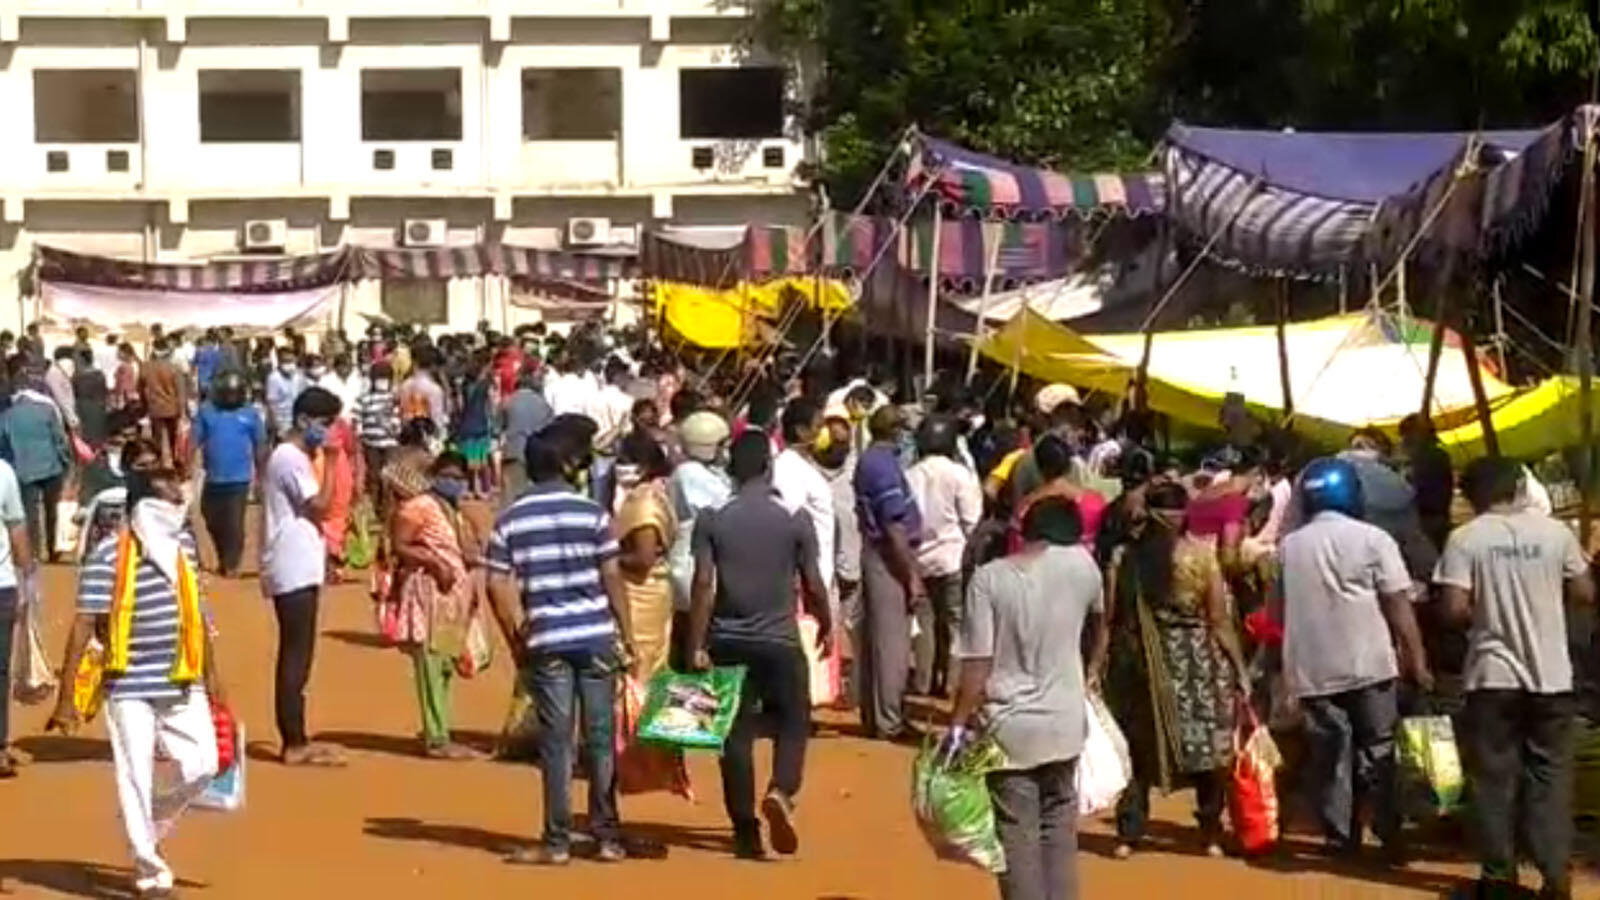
(1090, 84)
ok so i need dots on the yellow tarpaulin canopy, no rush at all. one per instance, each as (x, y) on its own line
(719, 319)
(1345, 372)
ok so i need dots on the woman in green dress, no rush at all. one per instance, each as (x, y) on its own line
(1176, 666)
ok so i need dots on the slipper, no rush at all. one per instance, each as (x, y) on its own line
(313, 757)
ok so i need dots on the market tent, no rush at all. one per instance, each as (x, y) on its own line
(1528, 424)
(720, 319)
(970, 183)
(1346, 371)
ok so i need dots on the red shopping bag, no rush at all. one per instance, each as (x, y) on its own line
(227, 736)
(1253, 800)
(385, 611)
(644, 768)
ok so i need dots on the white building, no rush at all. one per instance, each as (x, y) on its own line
(191, 130)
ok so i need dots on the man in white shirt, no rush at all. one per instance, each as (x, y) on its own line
(567, 390)
(345, 383)
(16, 558)
(106, 359)
(801, 485)
(951, 500)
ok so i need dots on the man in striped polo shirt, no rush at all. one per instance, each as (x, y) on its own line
(559, 599)
(154, 700)
(378, 417)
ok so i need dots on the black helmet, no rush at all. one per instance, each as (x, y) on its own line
(228, 390)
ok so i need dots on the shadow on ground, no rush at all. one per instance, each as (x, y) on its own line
(58, 748)
(70, 877)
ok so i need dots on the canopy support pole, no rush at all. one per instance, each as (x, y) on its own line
(1283, 347)
(1469, 350)
(1436, 344)
(989, 264)
(1585, 338)
(933, 298)
(1500, 337)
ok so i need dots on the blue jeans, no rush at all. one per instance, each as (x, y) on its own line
(557, 681)
(8, 619)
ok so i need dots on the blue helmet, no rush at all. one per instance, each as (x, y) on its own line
(1331, 484)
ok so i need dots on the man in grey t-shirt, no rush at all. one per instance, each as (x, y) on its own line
(1506, 574)
(1020, 632)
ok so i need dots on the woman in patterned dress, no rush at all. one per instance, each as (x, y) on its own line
(1175, 668)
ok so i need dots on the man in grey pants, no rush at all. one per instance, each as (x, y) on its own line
(890, 523)
(1021, 613)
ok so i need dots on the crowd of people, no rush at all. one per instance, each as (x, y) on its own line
(612, 511)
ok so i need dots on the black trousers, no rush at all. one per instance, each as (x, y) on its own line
(777, 700)
(1519, 755)
(42, 521)
(297, 639)
(223, 508)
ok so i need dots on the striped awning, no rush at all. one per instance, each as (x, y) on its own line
(345, 264)
(762, 252)
(1028, 252)
(969, 183)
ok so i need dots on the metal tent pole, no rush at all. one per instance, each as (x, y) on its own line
(933, 297)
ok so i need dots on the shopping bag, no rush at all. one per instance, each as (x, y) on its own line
(1253, 799)
(691, 709)
(88, 683)
(360, 538)
(644, 768)
(519, 735)
(226, 727)
(67, 524)
(1430, 766)
(32, 679)
(478, 651)
(823, 671)
(950, 800)
(82, 450)
(226, 790)
(1104, 766)
(385, 610)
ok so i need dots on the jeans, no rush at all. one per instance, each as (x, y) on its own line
(938, 618)
(557, 681)
(1519, 755)
(8, 621)
(1133, 807)
(1036, 816)
(776, 699)
(297, 639)
(884, 665)
(42, 523)
(1351, 742)
(223, 507)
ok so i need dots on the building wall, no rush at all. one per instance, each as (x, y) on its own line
(181, 199)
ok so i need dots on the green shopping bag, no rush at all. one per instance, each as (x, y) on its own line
(360, 538)
(1430, 766)
(950, 799)
(691, 709)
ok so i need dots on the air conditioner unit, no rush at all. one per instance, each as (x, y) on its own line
(266, 235)
(590, 231)
(423, 233)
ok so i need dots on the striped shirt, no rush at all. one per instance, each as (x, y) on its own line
(379, 417)
(153, 645)
(553, 541)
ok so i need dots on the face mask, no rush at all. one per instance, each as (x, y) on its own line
(318, 371)
(380, 385)
(67, 366)
(450, 488)
(286, 368)
(315, 434)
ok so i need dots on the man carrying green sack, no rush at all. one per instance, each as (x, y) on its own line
(747, 556)
(1509, 574)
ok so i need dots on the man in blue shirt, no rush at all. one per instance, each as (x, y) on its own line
(892, 588)
(560, 603)
(207, 361)
(230, 439)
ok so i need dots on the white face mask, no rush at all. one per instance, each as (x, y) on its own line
(318, 371)
(68, 366)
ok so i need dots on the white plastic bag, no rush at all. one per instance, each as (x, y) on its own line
(1104, 767)
(32, 681)
(822, 671)
(225, 793)
(67, 525)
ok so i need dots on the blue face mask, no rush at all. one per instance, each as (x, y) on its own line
(315, 434)
(451, 489)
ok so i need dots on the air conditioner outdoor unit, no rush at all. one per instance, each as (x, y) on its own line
(266, 235)
(423, 233)
(590, 231)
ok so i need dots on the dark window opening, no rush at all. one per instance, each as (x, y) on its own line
(411, 105)
(261, 106)
(85, 106)
(730, 103)
(571, 104)
(421, 302)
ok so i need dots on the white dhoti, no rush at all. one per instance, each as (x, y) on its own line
(185, 733)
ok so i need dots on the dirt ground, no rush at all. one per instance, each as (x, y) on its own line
(396, 825)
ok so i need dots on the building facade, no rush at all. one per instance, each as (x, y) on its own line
(194, 130)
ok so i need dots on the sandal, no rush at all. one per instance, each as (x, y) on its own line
(452, 752)
(312, 756)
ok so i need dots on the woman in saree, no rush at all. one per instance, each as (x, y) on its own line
(346, 472)
(645, 528)
(1175, 666)
(432, 591)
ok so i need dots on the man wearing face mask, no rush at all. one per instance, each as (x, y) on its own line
(284, 384)
(293, 562)
(139, 592)
(800, 483)
(699, 483)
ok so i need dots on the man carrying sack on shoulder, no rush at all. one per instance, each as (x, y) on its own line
(139, 592)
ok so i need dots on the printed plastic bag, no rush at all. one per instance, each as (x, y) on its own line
(32, 680)
(88, 683)
(225, 793)
(644, 768)
(1105, 766)
(67, 524)
(1430, 766)
(519, 736)
(692, 709)
(360, 538)
(950, 799)
(227, 730)
(823, 670)
(385, 611)
(479, 650)
(1253, 801)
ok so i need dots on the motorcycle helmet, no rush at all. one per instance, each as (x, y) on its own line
(1331, 484)
(228, 390)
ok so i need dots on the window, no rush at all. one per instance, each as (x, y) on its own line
(571, 104)
(85, 106)
(730, 103)
(419, 302)
(411, 105)
(249, 105)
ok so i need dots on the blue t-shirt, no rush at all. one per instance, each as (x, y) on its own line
(207, 362)
(228, 440)
(883, 497)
